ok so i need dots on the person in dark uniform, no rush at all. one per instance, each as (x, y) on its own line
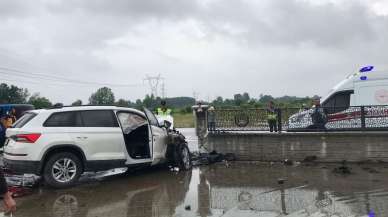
(318, 117)
(2, 129)
(9, 202)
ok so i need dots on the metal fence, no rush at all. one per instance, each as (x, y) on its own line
(355, 118)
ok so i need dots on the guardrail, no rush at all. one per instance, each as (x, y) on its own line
(354, 118)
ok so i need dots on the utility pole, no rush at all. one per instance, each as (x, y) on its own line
(195, 96)
(153, 82)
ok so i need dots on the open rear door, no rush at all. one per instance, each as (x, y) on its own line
(158, 137)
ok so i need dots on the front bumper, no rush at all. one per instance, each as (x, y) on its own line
(22, 167)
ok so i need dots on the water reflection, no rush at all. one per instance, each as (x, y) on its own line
(239, 190)
(253, 190)
(155, 193)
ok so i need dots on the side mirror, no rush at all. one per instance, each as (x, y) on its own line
(167, 124)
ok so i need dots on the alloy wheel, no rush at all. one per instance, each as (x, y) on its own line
(64, 170)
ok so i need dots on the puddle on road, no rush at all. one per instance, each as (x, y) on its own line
(242, 189)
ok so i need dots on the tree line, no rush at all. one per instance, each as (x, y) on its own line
(104, 96)
(244, 100)
(11, 94)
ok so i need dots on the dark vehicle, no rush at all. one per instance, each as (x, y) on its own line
(19, 108)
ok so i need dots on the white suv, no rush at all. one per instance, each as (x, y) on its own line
(60, 144)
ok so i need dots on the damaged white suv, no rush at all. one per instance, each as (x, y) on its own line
(60, 144)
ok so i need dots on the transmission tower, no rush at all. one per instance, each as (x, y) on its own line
(153, 82)
(163, 90)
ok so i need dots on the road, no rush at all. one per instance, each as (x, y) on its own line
(233, 189)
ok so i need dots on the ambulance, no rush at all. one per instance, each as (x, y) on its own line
(366, 89)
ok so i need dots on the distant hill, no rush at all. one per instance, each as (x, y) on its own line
(180, 102)
(289, 99)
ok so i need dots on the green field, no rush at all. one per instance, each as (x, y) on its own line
(183, 120)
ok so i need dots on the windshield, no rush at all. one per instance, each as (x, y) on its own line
(337, 88)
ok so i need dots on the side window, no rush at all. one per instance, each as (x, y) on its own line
(63, 119)
(99, 118)
(130, 121)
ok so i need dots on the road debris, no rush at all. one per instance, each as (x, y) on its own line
(344, 169)
(281, 181)
(199, 159)
(21, 185)
(370, 170)
(288, 162)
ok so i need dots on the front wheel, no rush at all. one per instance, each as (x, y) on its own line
(183, 157)
(62, 170)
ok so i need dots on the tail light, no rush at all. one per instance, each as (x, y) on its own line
(26, 138)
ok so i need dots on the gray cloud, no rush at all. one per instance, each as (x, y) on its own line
(235, 46)
(296, 22)
(134, 8)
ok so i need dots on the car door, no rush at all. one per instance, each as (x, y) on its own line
(158, 138)
(100, 137)
(132, 125)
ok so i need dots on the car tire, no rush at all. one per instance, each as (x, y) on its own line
(183, 157)
(62, 170)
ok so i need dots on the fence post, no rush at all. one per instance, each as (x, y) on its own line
(279, 111)
(201, 124)
(362, 117)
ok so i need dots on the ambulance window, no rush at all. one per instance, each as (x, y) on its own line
(329, 105)
(342, 101)
(330, 102)
(338, 102)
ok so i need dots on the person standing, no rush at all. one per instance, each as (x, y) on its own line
(10, 118)
(2, 129)
(211, 118)
(163, 111)
(9, 202)
(272, 117)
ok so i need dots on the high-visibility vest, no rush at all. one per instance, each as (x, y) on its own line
(167, 112)
(271, 115)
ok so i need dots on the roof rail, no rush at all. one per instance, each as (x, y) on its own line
(60, 105)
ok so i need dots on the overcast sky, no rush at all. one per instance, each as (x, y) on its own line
(213, 47)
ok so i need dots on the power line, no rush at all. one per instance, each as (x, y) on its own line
(17, 72)
(39, 82)
(20, 81)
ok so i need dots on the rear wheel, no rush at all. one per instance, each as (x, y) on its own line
(62, 170)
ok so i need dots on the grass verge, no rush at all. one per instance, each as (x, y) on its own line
(183, 120)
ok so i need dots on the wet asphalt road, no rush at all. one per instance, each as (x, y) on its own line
(237, 189)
